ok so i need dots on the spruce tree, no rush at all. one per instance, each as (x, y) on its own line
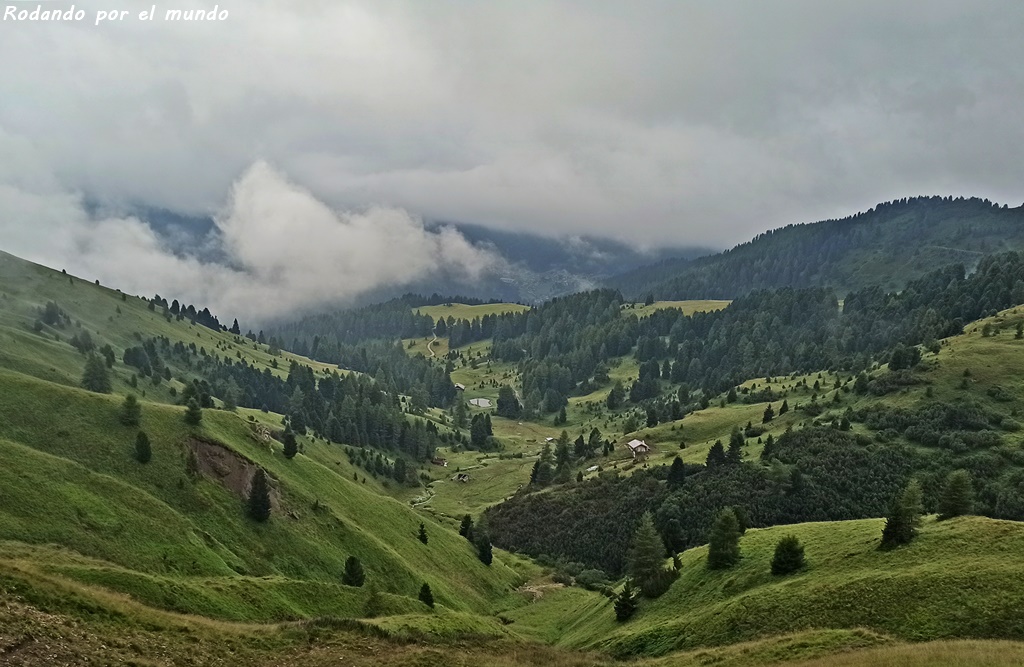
(96, 376)
(957, 495)
(193, 413)
(545, 468)
(676, 473)
(259, 496)
(426, 596)
(904, 517)
(131, 411)
(673, 537)
(735, 453)
(291, 447)
(625, 603)
(143, 452)
(466, 527)
(353, 575)
(646, 558)
(716, 455)
(374, 605)
(789, 556)
(724, 542)
(769, 414)
(423, 534)
(784, 408)
(484, 549)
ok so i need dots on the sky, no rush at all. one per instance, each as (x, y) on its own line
(319, 132)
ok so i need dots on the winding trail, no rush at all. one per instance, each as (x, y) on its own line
(430, 345)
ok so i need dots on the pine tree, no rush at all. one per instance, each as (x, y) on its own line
(426, 596)
(784, 408)
(731, 396)
(615, 396)
(716, 455)
(724, 542)
(484, 549)
(259, 496)
(676, 473)
(545, 467)
(735, 453)
(466, 527)
(291, 447)
(625, 603)
(957, 495)
(131, 411)
(460, 414)
(374, 605)
(193, 413)
(769, 414)
(673, 537)
(904, 517)
(143, 452)
(423, 534)
(646, 558)
(96, 376)
(789, 556)
(353, 575)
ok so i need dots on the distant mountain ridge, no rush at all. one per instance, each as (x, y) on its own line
(888, 245)
(536, 267)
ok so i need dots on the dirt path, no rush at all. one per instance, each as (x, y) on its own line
(430, 345)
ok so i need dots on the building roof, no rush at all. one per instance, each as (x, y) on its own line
(638, 444)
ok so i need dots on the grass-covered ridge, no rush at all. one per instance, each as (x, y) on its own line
(960, 578)
(69, 479)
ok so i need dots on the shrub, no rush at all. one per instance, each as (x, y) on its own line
(789, 556)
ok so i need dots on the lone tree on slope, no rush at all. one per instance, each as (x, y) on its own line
(193, 413)
(259, 497)
(957, 495)
(904, 517)
(724, 542)
(789, 556)
(143, 452)
(353, 575)
(131, 411)
(426, 596)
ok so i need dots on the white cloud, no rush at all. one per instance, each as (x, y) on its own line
(285, 250)
(650, 121)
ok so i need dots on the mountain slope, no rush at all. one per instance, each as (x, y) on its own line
(887, 246)
(173, 532)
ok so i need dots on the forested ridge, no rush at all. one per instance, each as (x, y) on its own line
(888, 245)
(563, 344)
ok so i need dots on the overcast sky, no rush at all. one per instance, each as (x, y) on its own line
(688, 122)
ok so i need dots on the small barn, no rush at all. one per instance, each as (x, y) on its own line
(639, 449)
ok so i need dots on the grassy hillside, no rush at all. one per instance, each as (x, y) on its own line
(461, 311)
(108, 316)
(688, 307)
(75, 484)
(958, 579)
(174, 536)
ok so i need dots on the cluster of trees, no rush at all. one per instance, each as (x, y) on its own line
(813, 474)
(379, 466)
(182, 312)
(384, 321)
(479, 537)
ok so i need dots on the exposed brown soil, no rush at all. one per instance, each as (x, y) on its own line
(234, 472)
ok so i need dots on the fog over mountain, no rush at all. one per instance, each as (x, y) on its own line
(656, 123)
